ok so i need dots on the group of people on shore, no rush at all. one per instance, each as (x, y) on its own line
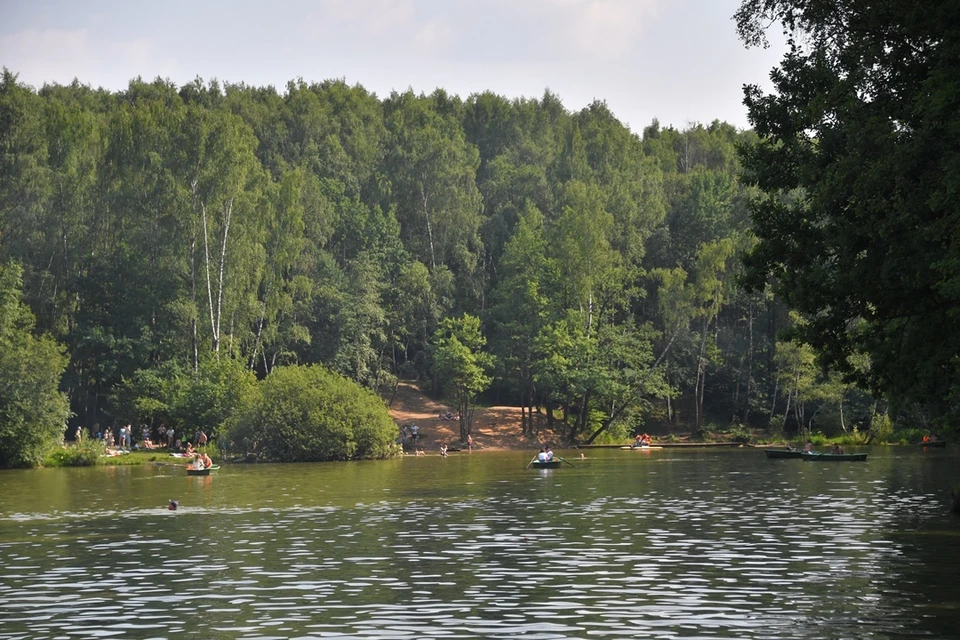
(123, 438)
(410, 437)
(123, 442)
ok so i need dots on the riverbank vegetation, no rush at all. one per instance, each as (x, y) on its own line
(181, 243)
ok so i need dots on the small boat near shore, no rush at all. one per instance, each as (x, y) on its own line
(783, 453)
(201, 472)
(834, 457)
(644, 448)
(934, 443)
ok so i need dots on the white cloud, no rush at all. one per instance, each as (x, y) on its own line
(598, 28)
(370, 18)
(434, 35)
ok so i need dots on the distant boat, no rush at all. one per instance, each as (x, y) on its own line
(643, 448)
(783, 453)
(201, 472)
(834, 457)
(934, 443)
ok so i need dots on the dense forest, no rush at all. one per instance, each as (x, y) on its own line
(171, 238)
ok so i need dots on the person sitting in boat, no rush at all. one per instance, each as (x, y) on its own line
(646, 440)
(638, 441)
(542, 456)
(549, 453)
(198, 463)
(808, 447)
(836, 449)
(207, 462)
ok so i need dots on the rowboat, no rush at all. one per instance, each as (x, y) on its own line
(201, 472)
(644, 448)
(783, 453)
(834, 457)
(550, 464)
(934, 443)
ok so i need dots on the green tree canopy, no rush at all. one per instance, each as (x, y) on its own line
(859, 163)
(461, 364)
(33, 412)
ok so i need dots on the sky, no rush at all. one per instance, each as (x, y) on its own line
(678, 61)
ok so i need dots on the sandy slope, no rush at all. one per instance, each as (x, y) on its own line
(493, 427)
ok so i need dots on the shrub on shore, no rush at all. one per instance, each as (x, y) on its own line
(86, 454)
(308, 414)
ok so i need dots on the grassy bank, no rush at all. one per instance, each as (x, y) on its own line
(89, 454)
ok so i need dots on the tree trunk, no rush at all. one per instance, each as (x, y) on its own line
(842, 424)
(773, 403)
(701, 376)
(786, 412)
(426, 215)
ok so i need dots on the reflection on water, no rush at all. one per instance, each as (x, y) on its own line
(691, 544)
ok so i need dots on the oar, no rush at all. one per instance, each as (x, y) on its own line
(565, 460)
(530, 463)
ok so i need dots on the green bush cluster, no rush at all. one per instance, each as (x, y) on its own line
(86, 454)
(308, 413)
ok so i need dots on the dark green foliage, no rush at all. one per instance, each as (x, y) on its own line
(308, 414)
(859, 162)
(33, 412)
(186, 401)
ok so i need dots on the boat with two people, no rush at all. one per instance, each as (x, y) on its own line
(546, 459)
(641, 443)
(202, 465)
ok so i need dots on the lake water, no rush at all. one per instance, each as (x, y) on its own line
(656, 544)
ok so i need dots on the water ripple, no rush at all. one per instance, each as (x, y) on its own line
(700, 546)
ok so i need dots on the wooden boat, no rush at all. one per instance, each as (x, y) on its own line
(783, 453)
(934, 443)
(646, 448)
(834, 457)
(201, 472)
(550, 464)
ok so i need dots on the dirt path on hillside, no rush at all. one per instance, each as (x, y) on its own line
(493, 427)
